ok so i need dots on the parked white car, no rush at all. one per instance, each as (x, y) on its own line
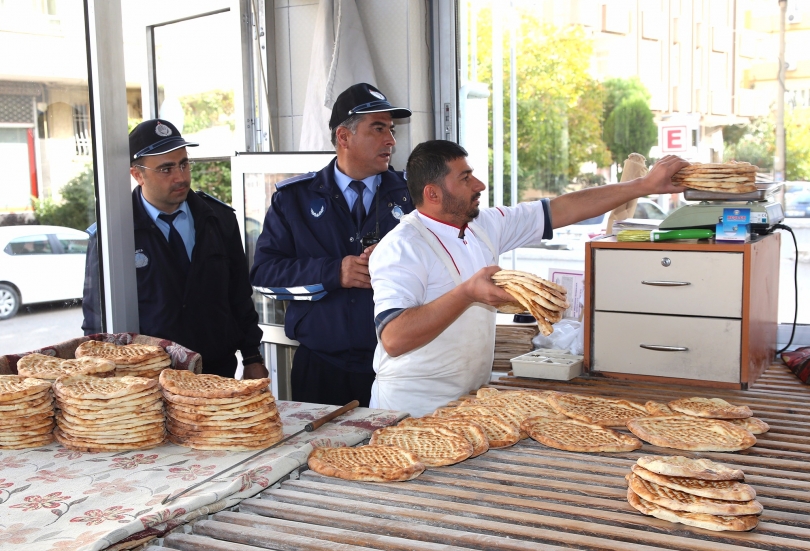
(40, 264)
(575, 235)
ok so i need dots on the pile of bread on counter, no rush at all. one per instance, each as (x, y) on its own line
(571, 422)
(730, 177)
(127, 397)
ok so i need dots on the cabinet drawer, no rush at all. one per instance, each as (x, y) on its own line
(712, 346)
(693, 284)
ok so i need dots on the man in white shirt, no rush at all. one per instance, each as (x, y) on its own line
(434, 299)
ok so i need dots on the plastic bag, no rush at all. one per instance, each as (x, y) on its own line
(567, 335)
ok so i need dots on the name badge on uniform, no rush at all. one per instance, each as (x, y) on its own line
(396, 212)
(141, 260)
(317, 207)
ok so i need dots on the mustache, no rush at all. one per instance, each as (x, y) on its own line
(476, 196)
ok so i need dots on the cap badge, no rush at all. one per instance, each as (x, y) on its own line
(162, 130)
(376, 94)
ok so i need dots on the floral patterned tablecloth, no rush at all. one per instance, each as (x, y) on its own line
(55, 499)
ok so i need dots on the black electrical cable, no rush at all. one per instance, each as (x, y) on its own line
(795, 282)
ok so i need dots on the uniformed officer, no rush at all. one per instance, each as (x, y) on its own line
(192, 275)
(315, 244)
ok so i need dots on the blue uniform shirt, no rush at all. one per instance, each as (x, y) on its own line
(343, 181)
(184, 223)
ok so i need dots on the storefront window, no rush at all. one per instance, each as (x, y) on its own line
(553, 96)
(47, 194)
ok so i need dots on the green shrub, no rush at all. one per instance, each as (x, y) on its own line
(78, 207)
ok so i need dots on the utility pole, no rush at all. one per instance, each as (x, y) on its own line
(779, 160)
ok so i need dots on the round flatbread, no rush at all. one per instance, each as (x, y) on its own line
(433, 445)
(715, 408)
(186, 383)
(692, 433)
(83, 387)
(15, 387)
(677, 500)
(122, 355)
(729, 490)
(470, 430)
(700, 520)
(366, 463)
(595, 410)
(576, 436)
(676, 465)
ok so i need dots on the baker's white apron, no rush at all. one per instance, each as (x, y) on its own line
(454, 363)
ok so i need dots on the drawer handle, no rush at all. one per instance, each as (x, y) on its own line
(666, 283)
(662, 348)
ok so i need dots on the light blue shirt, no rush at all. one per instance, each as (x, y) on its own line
(372, 183)
(184, 223)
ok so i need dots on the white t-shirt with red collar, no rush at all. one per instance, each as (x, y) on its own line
(406, 272)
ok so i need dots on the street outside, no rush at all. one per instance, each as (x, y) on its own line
(41, 325)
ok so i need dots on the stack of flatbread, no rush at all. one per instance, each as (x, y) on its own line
(108, 414)
(544, 300)
(209, 412)
(731, 177)
(710, 408)
(136, 360)
(366, 463)
(26, 412)
(696, 492)
(40, 366)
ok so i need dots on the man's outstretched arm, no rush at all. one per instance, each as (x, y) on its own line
(587, 203)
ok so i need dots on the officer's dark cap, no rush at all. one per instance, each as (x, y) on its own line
(155, 137)
(363, 98)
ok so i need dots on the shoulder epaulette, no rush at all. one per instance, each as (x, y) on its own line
(295, 179)
(212, 198)
(92, 229)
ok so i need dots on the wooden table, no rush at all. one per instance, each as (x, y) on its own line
(531, 497)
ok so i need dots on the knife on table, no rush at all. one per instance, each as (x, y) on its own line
(311, 426)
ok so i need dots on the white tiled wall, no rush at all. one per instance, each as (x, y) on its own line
(396, 35)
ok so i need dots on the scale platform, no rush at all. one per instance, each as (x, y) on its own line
(765, 212)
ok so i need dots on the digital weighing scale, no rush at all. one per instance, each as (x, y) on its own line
(765, 211)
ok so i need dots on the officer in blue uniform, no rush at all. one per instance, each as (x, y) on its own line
(315, 244)
(193, 285)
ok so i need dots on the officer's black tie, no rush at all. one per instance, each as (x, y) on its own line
(176, 242)
(359, 209)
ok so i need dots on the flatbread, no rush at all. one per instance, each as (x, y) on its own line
(15, 387)
(84, 387)
(677, 500)
(657, 409)
(36, 401)
(36, 442)
(500, 434)
(751, 424)
(434, 446)
(729, 490)
(218, 403)
(467, 428)
(715, 408)
(676, 465)
(717, 523)
(136, 399)
(504, 413)
(576, 436)
(527, 404)
(50, 368)
(106, 447)
(692, 433)
(122, 355)
(366, 463)
(595, 410)
(186, 383)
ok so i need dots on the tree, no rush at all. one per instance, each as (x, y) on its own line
(628, 123)
(214, 178)
(208, 109)
(797, 140)
(630, 128)
(559, 106)
(78, 206)
(752, 143)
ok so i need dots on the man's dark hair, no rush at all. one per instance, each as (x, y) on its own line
(427, 164)
(351, 123)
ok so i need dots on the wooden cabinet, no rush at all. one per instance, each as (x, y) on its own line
(695, 313)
